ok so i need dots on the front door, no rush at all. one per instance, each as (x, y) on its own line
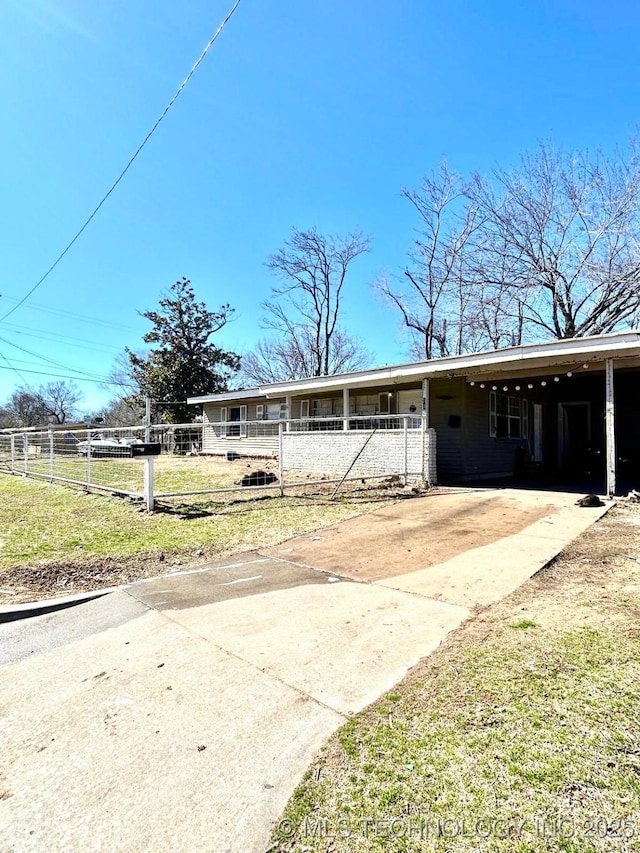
(234, 415)
(574, 437)
(385, 403)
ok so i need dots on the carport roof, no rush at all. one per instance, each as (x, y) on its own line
(527, 358)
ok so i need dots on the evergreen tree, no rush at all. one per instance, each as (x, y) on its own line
(184, 362)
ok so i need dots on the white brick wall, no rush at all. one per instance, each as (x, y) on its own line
(431, 457)
(333, 452)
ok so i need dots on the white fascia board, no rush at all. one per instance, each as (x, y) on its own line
(226, 396)
(530, 355)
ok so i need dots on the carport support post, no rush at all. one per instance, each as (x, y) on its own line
(610, 427)
(148, 482)
(287, 402)
(424, 426)
(345, 409)
(280, 459)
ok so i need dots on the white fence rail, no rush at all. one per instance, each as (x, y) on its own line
(335, 449)
(99, 460)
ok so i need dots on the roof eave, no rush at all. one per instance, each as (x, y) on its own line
(601, 346)
(596, 347)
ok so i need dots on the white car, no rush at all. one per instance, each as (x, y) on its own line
(102, 445)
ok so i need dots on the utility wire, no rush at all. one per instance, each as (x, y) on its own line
(56, 375)
(95, 321)
(129, 164)
(51, 361)
(86, 377)
(13, 367)
(68, 340)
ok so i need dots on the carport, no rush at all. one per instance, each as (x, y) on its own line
(558, 415)
(569, 427)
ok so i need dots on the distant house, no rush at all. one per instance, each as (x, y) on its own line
(563, 410)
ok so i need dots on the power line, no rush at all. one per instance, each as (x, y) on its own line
(55, 337)
(129, 164)
(56, 375)
(12, 367)
(37, 355)
(72, 315)
(89, 377)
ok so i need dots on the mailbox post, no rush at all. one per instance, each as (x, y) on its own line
(148, 451)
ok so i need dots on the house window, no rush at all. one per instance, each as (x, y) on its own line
(508, 416)
(271, 412)
(363, 404)
(276, 411)
(322, 408)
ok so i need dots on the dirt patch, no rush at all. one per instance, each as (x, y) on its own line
(176, 537)
(32, 582)
(414, 535)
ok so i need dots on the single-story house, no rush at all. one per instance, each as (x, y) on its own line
(565, 410)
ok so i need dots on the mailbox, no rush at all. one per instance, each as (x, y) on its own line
(149, 449)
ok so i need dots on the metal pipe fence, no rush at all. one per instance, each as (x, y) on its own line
(295, 453)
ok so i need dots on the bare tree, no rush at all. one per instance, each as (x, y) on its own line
(560, 239)
(121, 376)
(24, 408)
(121, 411)
(55, 402)
(550, 248)
(60, 400)
(442, 299)
(305, 310)
(291, 357)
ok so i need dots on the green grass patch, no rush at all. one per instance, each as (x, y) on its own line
(527, 743)
(43, 521)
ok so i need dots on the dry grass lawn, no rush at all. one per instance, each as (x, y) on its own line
(56, 540)
(172, 473)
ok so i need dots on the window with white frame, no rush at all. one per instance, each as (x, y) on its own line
(275, 411)
(324, 407)
(508, 416)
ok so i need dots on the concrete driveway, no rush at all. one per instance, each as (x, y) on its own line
(180, 712)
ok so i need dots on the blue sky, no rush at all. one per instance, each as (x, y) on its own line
(305, 113)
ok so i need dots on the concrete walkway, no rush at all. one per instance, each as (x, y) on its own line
(179, 713)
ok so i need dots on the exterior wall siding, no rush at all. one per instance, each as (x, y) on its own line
(213, 414)
(459, 413)
(264, 446)
(261, 438)
(482, 454)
